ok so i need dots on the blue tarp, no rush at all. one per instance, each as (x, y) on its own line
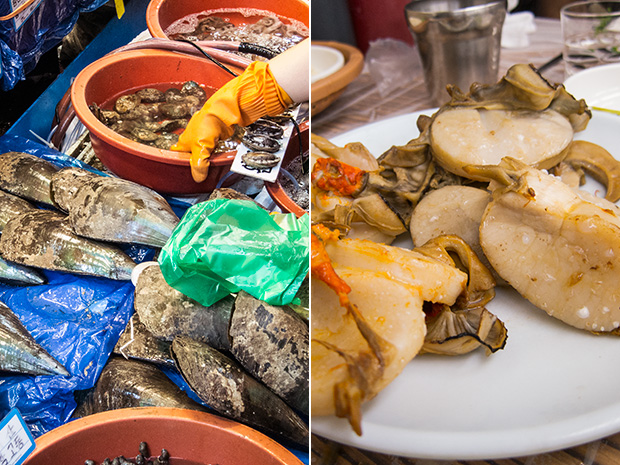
(24, 38)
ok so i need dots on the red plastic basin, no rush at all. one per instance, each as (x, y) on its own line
(116, 74)
(191, 437)
(160, 14)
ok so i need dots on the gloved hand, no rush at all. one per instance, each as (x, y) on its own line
(243, 100)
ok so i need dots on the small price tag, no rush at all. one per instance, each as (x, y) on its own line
(16, 442)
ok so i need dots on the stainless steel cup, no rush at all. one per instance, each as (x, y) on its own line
(459, 42)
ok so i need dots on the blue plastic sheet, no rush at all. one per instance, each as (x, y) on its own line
(11, 67)
(34, 32)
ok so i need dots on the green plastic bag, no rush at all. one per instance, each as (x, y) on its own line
(222, 246)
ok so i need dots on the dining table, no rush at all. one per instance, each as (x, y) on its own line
(363, 103)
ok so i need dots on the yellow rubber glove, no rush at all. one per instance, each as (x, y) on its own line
(249, 96)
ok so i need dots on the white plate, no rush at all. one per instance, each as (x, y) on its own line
(552, 386)
(599, 86)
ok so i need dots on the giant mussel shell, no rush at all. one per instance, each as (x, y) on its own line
(45, 239)
(222, 384)
(113, 209)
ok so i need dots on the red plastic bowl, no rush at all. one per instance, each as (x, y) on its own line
(191, 438)
(119, 73)
(160, 14)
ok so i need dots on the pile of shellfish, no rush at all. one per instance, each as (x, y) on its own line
(240, 358)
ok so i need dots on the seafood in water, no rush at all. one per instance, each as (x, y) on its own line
(166, 312)
(259, 27)
(367, 317)
(138, 343)
(45, 239)
(26, 176)
(132, 383)
(19, 352)
(558, 247)
(150, 116)
(223, 385)
(113, 209)
(272, 344)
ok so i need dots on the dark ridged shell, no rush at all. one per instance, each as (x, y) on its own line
(223, 385)
(272, 343)
(131, 383)
(167, 313)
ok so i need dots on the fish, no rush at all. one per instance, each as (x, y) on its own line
(111, 209)
(221, 383)
(45, 239)
(27, 176)
(167, 312)
(133, 383)
(20, 352)
(272, 343)
(139, 343)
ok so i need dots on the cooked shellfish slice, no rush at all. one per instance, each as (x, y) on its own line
(272, 344)
(523, 116)
(355, 356)
(45, 239)
(132, 383)
(19, 352)
(167, 313)
(26, 176)
(473, 136)
(223, 385)
(558, 247)
(113, 209)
